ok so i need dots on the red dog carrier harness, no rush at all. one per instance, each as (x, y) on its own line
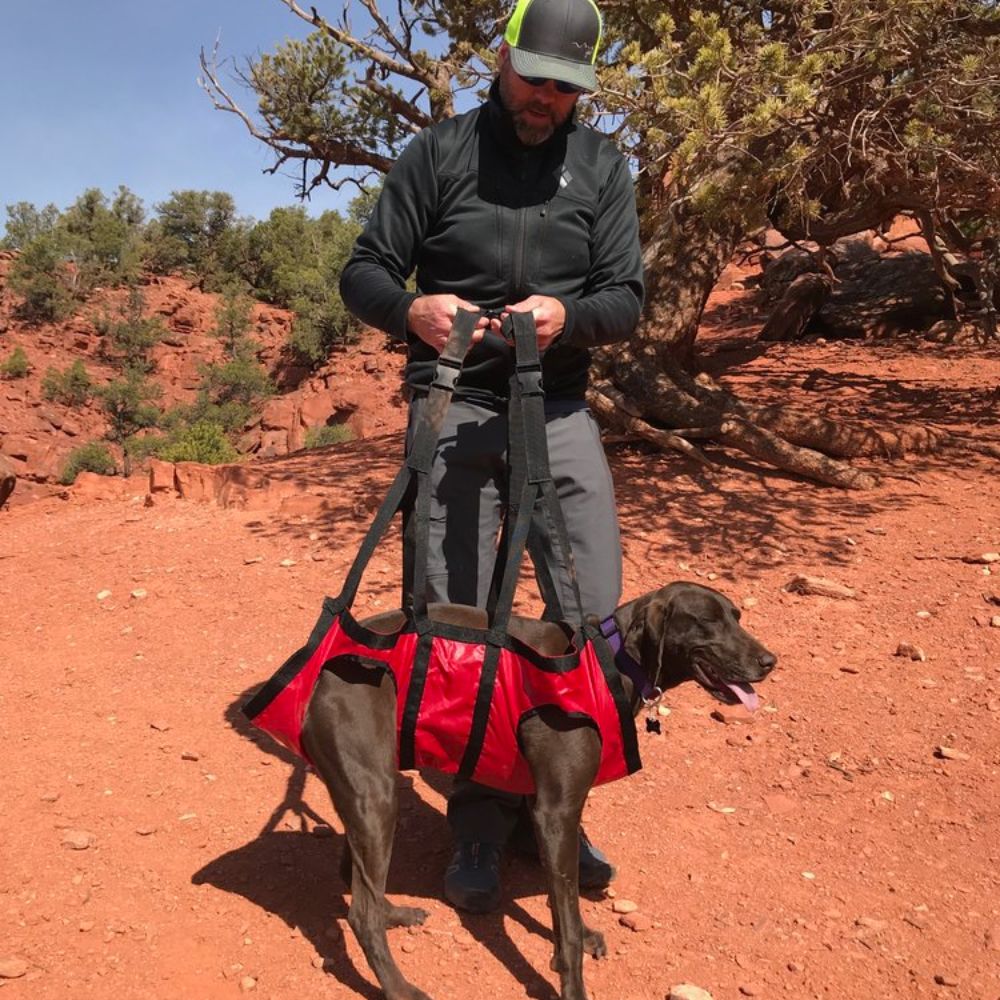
(462, 692)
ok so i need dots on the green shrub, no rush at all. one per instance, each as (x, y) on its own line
(43, 280)
(129, 336)
(16, 366)
(71, 386)
(91, 457)
(200, 442)
(320, 437)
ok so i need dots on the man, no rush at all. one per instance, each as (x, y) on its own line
(513, 207)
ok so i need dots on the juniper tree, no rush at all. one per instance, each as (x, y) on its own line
(820, 117)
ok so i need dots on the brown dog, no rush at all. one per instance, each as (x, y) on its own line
(682, 630)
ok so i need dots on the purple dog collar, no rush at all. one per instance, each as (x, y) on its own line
(627, 665)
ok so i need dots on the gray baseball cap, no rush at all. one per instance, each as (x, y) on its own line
(555, 40)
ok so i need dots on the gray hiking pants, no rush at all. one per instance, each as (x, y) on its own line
(469, 483)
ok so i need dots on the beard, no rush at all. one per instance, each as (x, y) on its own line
(533, 123)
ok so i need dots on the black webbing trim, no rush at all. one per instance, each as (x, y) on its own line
(481, 712)
(613, 678)
(414, 695)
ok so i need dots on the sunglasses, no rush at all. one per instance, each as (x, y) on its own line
(561, 86)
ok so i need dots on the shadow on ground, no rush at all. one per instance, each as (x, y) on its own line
(295, 875)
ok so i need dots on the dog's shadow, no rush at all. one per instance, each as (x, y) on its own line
(295, 875)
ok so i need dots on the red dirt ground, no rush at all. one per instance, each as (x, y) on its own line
(154, 847)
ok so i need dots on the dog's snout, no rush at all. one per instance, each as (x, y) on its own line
(766, 661)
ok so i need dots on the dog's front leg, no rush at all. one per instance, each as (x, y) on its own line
(564, 757)
(349, 734)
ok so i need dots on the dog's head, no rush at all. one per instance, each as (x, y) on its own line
(685, 630)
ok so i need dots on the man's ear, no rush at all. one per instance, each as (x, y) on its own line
(503, 54)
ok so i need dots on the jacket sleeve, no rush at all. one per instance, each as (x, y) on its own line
(608, 311)
(373, 282)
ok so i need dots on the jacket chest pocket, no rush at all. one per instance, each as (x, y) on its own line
(562, 240)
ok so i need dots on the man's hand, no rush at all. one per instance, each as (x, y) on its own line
(431, 317)
(549, 314)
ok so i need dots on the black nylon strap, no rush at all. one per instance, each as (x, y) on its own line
(448, 369)
(418, 461)
(528, 375)
(481, 712)
(414, 695)
(392, 502)
(425, 441)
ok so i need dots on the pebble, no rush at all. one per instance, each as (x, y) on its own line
(943, 980)
(995, 621)
(871, 923)
(950, 753)
(159, 725)
(248, 983)
(139, 593)
(913, 652)
(733, 714)
(847, 668)
(992, 937)
(408, 946)
(749, 602)
(624, 906)
(77, 840)
(287, 562)
(983, 559)
(252, 559)
(686, 991)
(12, 968)
(750, 989)
(923, 614)
(637, 922)
(190, 755)
(145, 831)
(103, 595)
(778, 804)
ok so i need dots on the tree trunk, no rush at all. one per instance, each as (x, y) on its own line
(647, 387)
(801, 301)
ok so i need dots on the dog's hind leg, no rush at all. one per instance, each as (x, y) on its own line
(564, 755)
(350, 736)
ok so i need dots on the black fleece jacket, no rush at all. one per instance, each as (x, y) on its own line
(480, 215)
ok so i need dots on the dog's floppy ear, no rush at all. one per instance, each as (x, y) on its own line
(643, 638)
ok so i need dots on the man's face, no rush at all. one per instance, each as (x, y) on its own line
(536, 111)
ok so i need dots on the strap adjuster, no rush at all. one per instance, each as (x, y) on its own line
(446, 375)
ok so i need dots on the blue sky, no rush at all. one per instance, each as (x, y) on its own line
(97, 93)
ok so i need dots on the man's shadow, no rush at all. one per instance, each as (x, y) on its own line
(294, 874)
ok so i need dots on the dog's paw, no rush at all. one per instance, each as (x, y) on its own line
(593, 943)
(405, 916)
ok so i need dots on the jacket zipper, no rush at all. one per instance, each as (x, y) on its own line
(520, 239)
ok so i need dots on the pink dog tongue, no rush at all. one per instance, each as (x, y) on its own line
(747, 696)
